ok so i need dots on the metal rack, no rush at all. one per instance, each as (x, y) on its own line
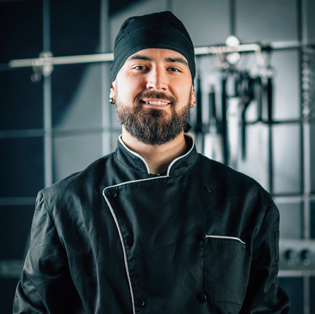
(46, 61)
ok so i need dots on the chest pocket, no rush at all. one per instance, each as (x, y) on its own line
(226, 271)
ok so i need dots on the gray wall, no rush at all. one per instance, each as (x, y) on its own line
(52, 127)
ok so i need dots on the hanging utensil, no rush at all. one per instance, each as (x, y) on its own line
(213, 139)
(270, 121)
(246, 91)
(199, 123)
(223, 124)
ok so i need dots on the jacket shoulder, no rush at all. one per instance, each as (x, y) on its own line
(230, 180)
(76, 183)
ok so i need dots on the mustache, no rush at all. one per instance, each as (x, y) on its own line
(154, 94)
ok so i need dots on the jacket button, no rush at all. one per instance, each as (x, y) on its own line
(140, 303)
(112, 193)
(207, 189)
(129, 240)
(200, 236)
(202, 297)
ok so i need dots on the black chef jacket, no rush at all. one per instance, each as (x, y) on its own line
(115, 239)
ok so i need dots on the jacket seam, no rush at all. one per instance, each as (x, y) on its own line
(268, 211)
(123, 249)
(46, 207)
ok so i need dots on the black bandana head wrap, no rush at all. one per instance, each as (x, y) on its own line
(158, 30)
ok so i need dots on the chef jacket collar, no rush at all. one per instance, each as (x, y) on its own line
(179, 165)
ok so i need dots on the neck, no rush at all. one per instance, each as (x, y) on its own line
(157, 157)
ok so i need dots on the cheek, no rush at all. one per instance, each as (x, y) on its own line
(129, 88)
(184, 92)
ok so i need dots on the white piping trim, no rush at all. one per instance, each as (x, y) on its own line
(124, 252)
(225, 237)
(170, 165)
(134, 181)
(120, 234)
(134, 153)
(115, 218)
(180, 157)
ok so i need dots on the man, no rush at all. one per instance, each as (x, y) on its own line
(154, 227)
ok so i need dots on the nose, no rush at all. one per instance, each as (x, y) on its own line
(156, 79)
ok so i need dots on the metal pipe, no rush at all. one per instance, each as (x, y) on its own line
(107, 109)
(47, 101)
(47, 60)
(227, 49)
(39, 62)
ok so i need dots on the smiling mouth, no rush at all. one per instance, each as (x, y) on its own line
(155, 102)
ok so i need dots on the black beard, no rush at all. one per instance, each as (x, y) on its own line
(152, 126)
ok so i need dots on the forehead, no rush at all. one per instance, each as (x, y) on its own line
(158, 54)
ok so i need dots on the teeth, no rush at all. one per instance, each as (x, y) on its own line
(159, 103)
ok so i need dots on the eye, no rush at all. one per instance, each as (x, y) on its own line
(173, 69)
(140, 67)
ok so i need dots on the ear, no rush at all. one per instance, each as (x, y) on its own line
(112, 93)
(193, 97)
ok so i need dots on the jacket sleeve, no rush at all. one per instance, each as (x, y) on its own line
(45, 285)
(264, 295)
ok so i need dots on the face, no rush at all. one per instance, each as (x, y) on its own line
(153, 93)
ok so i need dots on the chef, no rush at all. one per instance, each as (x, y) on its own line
(154, 227)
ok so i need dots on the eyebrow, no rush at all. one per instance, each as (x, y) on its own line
(145, 58)
(139, 57)
(179, 60)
